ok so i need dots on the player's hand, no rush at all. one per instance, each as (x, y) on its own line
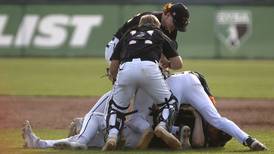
(109, 76)
(164, 62)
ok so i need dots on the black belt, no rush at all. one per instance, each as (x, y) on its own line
(142, 59)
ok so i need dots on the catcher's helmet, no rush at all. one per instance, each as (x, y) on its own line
(180, 15)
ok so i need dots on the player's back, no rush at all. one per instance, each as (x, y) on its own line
(182, 84)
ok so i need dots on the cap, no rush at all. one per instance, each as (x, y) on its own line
(180, 15)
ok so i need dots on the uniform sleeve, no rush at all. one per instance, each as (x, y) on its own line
(131, 23)
(172, 35)
(169, 46)
(117, 51)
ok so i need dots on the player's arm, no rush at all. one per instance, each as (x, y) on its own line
(164, 62)
(173, 62)
(176, 63)
(113, 69)
(115, 61)
(198, 137)
(170, 51)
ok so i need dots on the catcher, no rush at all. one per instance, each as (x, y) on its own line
(134, 66)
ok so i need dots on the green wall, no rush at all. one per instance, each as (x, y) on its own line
(200, 41)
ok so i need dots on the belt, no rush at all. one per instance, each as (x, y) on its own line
(142, 59)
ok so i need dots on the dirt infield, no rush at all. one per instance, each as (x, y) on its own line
(57, 112)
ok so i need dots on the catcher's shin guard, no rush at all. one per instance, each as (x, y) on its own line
(115, 118)
(115, 122)
(166, 120)
(168, 111)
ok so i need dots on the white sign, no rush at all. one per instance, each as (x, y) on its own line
(50, 31)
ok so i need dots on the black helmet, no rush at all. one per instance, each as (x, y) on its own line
(180, 15)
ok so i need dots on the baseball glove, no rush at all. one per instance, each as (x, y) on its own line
(75, 126)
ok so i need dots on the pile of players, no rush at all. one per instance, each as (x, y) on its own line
(147, 107)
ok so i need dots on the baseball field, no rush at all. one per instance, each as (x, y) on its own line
(51, 91)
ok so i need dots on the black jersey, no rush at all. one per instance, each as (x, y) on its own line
(145, 42)
(133, 22)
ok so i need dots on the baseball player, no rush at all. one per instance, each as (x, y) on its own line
(173, 18)
(90, 133)
(136, 56)
(91, 130)
(188, 89)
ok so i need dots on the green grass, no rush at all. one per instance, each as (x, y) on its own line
(11, 143)
(57, 77)
(82, 77)
(237, 78)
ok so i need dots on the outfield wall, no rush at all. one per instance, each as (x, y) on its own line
(83, 30)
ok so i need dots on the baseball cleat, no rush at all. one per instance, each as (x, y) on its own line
(145, 139)
(254, 144)
(184, 137)
(167, 137)
(70, 145)
(110, 144)
(30, 139)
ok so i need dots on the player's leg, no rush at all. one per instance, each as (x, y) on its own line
(75, 126)
(99, 140)
(92, 123)
(139, 131)
(123, 90)
(213, 117)
(115, 122)
(140, 123)
(153, 84)
(99, 107)
(143, 104)
(96, 141)
(199, 100)
(33, 141)
(74, 142)
(88, 132)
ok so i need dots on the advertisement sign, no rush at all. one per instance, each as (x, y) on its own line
(50, 31)
(233, 27)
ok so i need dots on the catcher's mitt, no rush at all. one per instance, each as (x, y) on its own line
(75, 126)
